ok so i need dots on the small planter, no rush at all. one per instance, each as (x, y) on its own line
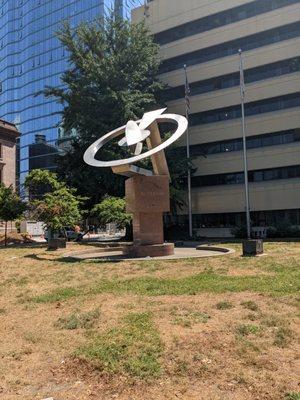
(59, 243)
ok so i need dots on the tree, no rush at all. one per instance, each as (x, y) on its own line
(11, 206)
(52, 201)
(112, 210)
(41, 181)
(112, 78)
(58, 209)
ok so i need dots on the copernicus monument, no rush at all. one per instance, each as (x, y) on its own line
(147, 192)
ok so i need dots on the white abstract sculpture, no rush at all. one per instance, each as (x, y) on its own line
(135, 135)
(147, 192)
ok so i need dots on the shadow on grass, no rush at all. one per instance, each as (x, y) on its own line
(67, 260)
(24, 246)
(72, 260)
(38, 257)
(32, 256)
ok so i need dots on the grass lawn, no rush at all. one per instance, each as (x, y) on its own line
(198, 329)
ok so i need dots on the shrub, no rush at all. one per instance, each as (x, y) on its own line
(284, 230)
(239, 231)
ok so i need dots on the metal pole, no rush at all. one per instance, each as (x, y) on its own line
(242, 88)
(189, 190)
(188, 156)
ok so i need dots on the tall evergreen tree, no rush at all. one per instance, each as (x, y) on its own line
(112, 78)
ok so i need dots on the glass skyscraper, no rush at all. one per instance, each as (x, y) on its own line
(31, 58)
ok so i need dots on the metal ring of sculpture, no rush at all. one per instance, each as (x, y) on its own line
(89, 155)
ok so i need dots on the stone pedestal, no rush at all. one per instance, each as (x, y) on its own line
(252, 247)
(147, 198)
(59, 243)
(153, 250)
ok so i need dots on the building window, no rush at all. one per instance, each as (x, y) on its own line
(253, 108)
(220, 19)
(230, 48)
(236, 178)
(280, 68)
(258, 218)
(253, 142)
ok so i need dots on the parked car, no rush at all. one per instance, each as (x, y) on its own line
(70, 234)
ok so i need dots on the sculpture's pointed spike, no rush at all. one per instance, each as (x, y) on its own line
(150, 117)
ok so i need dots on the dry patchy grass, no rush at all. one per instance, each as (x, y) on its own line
(211, 329)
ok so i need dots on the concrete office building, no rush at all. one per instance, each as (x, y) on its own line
(31, 57)
(206, 36)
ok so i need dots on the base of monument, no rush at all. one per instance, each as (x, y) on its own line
(55, 244)
(253, 247)
(153, 250)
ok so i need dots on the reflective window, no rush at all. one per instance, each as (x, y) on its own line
(31, 57)
(258, 218)
(226, 49)
(220, 19)
(253, 108)
(253, 142)
(284, 67)
(253, 176)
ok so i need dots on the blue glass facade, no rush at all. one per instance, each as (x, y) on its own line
(31, 58)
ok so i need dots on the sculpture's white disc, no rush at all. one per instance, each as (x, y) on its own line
(89, 155)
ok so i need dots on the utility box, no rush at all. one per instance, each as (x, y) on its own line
(253, 247)
(34, 228)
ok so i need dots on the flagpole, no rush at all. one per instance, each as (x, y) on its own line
(242, 89)
(187, 111)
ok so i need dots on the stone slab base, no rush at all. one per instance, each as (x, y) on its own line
(253, 247)
(154, 250)
(54, 244)
(147, 198)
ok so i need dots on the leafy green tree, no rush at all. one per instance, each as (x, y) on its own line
(112, 210)
(11, 206)
(52, 201)
(112, 78)
(41, 181)
(58, 209)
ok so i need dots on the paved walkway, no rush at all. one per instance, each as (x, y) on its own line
(117, 255)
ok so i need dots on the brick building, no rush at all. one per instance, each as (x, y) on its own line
(8, 137)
